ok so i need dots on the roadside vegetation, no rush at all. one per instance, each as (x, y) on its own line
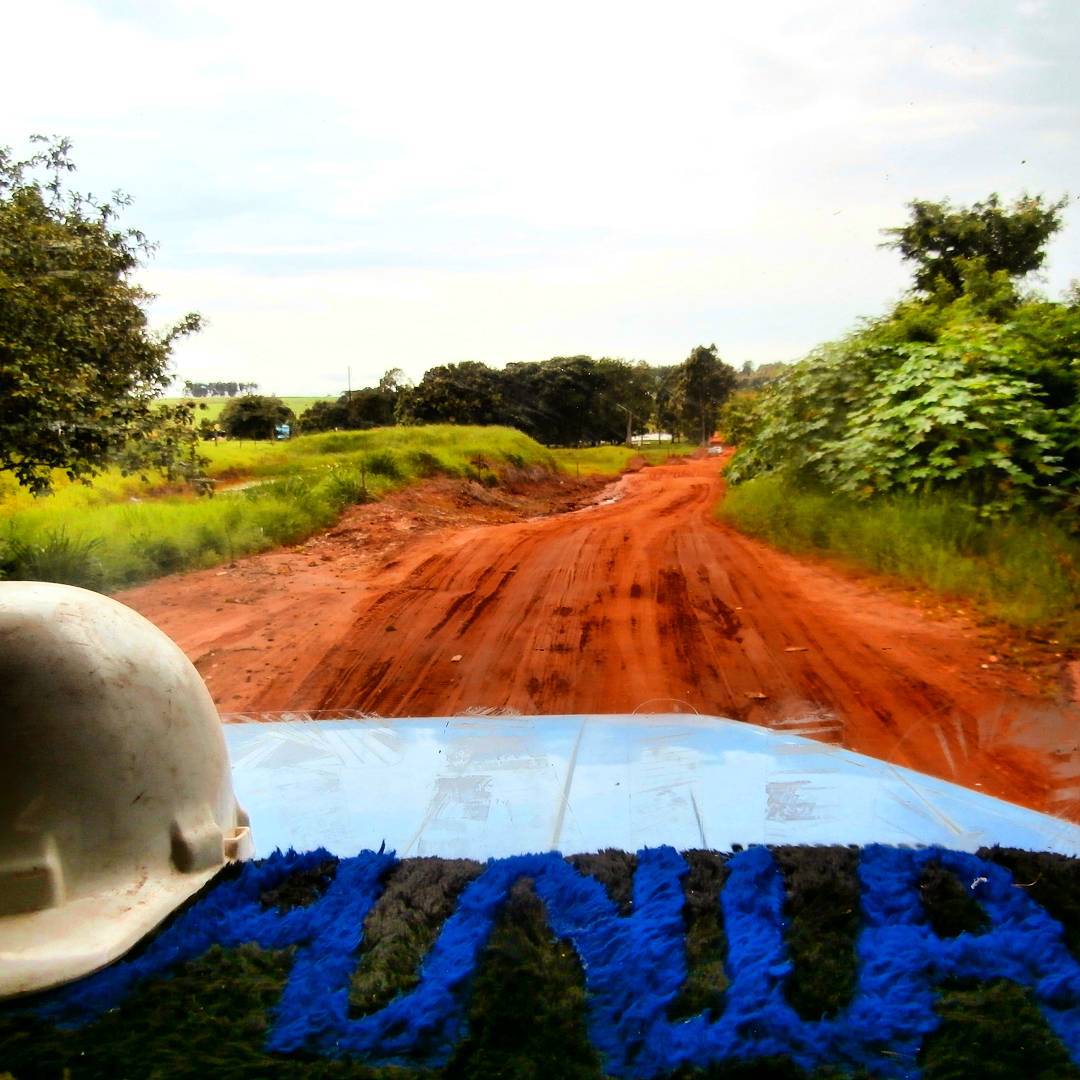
(123, 530)
(609, 460)
(940, 443)
(1023, 569)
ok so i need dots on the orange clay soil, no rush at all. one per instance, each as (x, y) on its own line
(450, 597)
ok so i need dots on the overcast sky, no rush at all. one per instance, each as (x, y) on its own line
(383, 185)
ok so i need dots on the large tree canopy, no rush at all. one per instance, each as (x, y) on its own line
(79, 368)
(465, 393)
(254, 416)
(704, 382)
(940, 238)
(371, 406)
(568, 400)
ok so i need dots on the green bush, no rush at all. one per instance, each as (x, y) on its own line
(165, 553)
(383, 463)
(55, 556)
(425, 464)
(977, 393)
(739, 419)
(346, 487)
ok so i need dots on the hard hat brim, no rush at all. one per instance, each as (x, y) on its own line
(43, 949)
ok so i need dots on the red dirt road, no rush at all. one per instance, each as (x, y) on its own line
(641, 602)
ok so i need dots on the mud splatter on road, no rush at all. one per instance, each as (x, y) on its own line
(641, 602)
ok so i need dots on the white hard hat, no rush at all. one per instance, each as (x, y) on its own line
(116, 802)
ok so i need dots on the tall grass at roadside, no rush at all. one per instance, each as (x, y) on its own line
(117, 532)
(600, 460)
(124, 543)
(1024, 570)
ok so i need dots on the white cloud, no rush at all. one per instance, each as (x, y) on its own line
(383, 185)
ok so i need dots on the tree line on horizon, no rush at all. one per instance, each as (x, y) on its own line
(218, 389)
(564, 401)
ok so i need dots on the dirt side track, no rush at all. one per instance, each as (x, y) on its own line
(640, 602)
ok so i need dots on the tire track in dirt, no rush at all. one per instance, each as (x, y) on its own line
(643, 602)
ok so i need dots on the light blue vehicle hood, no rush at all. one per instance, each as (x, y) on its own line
(489, 786)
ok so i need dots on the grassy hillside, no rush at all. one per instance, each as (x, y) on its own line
(601, 460)
(122, 530)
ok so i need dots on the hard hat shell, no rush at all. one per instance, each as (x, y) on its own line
(116, 801)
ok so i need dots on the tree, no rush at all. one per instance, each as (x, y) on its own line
(393, 382)
(703, 384)
(466, 393)
(79, 368)
(665, 414)
(753, 378)
(254, 416)
(372, 406)
(941, 238)
(218, 389)
(570, 400)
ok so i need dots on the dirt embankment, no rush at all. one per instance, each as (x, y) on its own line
(445, 599)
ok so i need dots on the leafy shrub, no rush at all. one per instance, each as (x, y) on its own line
(739, 419)
(807, 408)
(426, 464)
(346, 487)
(939, 417)
(865, 418)
(56, 556)
(383, 463)
(165, 553)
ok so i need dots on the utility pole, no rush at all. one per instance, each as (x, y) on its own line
(348, 378)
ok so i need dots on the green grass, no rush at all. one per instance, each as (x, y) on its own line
(610, 460)
(121, 530)
(215, 405)
(1024, 570)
